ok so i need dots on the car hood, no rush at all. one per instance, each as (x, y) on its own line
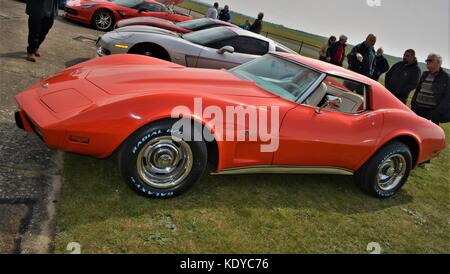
(145, 20)
(146, 29)
(144, 79)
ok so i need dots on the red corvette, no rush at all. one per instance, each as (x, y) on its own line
(279, 113)
(180, 27)
(104, 14)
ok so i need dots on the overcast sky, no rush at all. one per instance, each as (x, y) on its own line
(398, 24)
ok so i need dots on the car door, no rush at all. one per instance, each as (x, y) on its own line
(327, 138)
(245, 49)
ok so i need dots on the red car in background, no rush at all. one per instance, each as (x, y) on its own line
(104, 14)
(180, 27)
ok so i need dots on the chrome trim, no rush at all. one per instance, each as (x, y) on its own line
(311, 89)
(285, 170)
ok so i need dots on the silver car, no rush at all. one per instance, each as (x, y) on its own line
(221, 47)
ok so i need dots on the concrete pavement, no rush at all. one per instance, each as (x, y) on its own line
(31, 175)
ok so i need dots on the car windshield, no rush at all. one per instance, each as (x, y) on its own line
(278, 76)
(195, 24)
(208, 36)
(127, 3)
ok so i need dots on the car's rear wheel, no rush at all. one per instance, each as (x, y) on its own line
(157, 165)
(384, 174)
(103, 20)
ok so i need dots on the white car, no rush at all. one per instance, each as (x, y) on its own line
(216, 48)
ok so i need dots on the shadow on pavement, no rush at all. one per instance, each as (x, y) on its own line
(75, 61)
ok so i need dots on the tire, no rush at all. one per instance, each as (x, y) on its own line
(151, 51)
(103, 20)
(157, 166)
(384, 174)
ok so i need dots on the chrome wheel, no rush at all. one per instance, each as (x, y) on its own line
(103, 20)
(163, 163)
(391, 172)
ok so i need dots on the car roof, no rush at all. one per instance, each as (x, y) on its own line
(327, 68)
(243, 32)
(222, 22)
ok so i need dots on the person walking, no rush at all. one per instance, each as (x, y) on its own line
(256, 27)
(362, 57)
(404, 76)
(324, 48)
(41, 16)
(431, 99)
(225, 14)
(381, 65)
(336, 52)
(213, 11)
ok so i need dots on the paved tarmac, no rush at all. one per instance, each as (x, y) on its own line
(31, 175)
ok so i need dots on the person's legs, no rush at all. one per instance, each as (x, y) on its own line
(34, 28)
(425, 113)
(47, 23)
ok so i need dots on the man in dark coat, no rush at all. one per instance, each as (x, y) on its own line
(403, 77)
(257, 25)
(381, 65)
(41, 15)
(432, 96)
(362, 57)
(336, 52)
(225, 14)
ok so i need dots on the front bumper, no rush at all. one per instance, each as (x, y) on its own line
(25, 123)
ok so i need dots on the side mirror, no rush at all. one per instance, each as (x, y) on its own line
(332, 101)
(228, 49)
(142, 10)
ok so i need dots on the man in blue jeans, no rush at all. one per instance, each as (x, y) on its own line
(41, 15)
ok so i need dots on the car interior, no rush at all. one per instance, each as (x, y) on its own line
(349, 95)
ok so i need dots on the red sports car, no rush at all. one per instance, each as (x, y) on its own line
(104, 14)
(180, 27)
(279, 113)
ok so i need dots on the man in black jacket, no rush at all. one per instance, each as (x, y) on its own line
(41, 14)
(403, 77)
(257, 25)
(362, 57)
(432, 96)
(381, 65)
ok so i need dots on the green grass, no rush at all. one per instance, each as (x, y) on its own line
(253, 214)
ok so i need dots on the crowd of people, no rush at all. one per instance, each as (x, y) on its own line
(431, 98)
(225, 15)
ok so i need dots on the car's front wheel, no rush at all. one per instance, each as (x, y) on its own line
(103, 20)
(384, 174)
(158, 165)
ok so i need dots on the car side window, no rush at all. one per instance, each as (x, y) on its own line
(151, 7)
(338, 94)
(244, 44)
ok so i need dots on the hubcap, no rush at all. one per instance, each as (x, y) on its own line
(391, 172)
(163, 163)
(103, 20)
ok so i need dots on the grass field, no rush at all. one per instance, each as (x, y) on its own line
(253, 214)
